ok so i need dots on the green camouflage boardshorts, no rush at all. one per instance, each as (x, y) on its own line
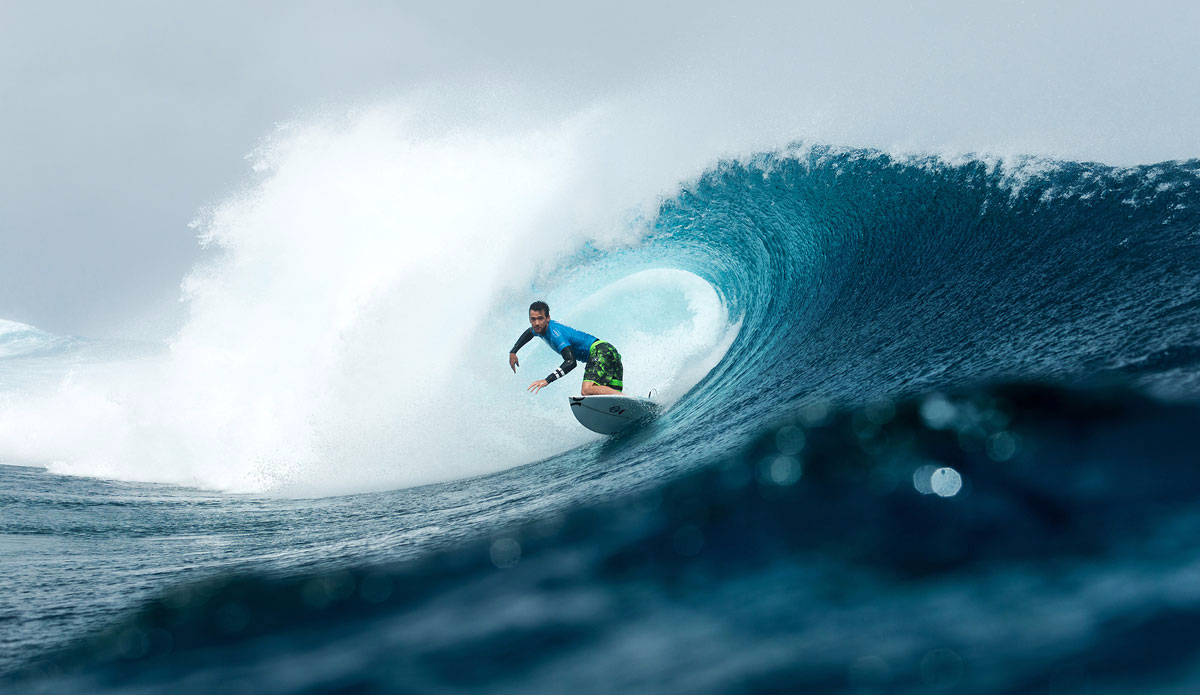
(604, 366)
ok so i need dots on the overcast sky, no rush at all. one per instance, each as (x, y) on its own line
(120, 120)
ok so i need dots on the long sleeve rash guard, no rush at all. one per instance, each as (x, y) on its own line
(568, 355)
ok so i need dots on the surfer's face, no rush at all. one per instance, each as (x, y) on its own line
(538, 320)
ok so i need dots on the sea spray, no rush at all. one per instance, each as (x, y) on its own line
(349, 327)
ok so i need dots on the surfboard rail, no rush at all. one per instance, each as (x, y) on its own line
(609, 414)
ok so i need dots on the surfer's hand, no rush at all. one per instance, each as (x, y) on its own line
(513, 362)
(538, 385)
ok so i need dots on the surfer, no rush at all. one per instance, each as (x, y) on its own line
(603, 372)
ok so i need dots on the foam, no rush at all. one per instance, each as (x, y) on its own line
(350, 330)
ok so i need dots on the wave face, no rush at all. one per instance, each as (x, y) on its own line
(861, 276)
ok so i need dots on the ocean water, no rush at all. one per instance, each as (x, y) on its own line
(928, 428)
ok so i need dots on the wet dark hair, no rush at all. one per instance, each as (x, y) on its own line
(541, 306)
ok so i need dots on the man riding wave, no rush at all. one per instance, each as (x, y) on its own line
(603, 372)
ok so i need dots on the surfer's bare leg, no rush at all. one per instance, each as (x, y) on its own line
(593, 389)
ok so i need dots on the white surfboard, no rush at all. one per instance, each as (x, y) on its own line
(611, 414)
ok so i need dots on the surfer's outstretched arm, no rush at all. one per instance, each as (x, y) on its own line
(567, 365)
(513, 362)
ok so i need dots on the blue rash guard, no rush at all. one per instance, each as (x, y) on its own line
(573, 345)
(559, 336)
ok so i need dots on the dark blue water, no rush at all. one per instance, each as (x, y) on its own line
(949, 449)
